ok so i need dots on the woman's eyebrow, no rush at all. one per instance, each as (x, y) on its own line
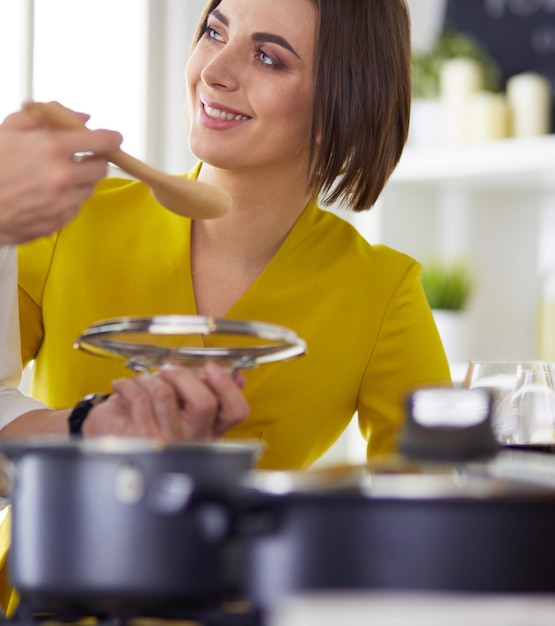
(280, 41)
(220, 16)
(260, 37)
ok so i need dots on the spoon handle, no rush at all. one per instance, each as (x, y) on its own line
(135, 167)
(55, 115)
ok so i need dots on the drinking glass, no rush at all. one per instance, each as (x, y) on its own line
(531, 421)
(501, 378)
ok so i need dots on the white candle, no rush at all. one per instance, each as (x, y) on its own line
(529, 96)
(459, 78)
(487, 116)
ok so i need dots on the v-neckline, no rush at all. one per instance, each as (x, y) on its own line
(235, 311)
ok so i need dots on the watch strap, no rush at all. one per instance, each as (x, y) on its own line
(79, 414)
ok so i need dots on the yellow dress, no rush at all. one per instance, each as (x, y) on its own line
(361, 309)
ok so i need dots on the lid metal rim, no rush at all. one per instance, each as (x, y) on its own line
(97, 340)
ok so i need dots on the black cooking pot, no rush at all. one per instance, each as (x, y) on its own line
(105, 523)
(412, 532)
(482, 522)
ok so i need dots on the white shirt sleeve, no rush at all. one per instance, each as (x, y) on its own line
(12, 402)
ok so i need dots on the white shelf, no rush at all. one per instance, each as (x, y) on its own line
(494, 203)
(519, 162)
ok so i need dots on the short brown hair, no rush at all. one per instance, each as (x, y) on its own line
(362, 97)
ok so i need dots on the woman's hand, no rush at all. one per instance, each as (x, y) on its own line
(177, 404)
(42, 184)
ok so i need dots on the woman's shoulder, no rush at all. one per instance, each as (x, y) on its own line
(119, 210)
(337, 233)
(121, 203)
(117, 190)
(127, 196)
(114, 184)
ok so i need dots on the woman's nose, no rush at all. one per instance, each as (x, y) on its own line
(222, 70)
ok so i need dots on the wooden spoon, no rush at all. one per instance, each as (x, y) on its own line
(183, 196)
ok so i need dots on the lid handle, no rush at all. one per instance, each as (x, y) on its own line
(448, 425)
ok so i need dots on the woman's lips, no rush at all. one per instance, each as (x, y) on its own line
(220, 114)
(217, 117)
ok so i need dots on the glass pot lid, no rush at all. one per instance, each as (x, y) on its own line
(146, 343)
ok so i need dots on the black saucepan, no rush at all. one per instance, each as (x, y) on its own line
(410, 532)
(470, 519)
(105, 523)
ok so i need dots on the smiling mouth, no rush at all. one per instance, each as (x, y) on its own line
(217, 114)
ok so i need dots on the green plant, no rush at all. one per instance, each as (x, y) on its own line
(447, 285)
(426, 66)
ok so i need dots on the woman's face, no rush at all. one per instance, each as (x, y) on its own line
(250, 82)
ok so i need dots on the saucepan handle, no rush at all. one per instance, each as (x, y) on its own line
(213, 509)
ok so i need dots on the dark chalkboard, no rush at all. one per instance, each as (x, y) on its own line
(518, 34)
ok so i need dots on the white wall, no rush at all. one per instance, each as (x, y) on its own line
(172, 27)
(426, 18)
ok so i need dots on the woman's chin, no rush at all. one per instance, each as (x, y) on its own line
(206, 154)
(215, 158)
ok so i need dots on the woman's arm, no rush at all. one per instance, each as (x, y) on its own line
(408, 355)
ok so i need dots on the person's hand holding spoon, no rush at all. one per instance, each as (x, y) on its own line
(189, 198)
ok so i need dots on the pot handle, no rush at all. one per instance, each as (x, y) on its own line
(232, 512)
(215, 510)
(260, 513)
(448, 425)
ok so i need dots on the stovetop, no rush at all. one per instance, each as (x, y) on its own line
(231, 614)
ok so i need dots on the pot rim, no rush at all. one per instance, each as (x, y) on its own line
(510, 476)
(108, 445)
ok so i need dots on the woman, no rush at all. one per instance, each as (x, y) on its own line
(288, 102)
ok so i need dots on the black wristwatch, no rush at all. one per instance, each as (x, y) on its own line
(81, 410)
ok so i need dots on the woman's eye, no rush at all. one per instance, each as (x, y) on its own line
(213, 34)
(266, 60)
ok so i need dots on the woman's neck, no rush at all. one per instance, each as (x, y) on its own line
(229, 253)
(264, 209)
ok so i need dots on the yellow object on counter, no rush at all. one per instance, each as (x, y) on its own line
(9, 598)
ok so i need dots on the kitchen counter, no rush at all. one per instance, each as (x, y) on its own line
(400, 609)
